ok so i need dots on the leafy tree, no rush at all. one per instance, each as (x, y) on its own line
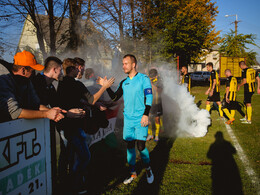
(151, 29)
(236, 46)
(159, 29)
(184, 27)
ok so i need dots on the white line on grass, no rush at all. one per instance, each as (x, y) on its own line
(251, 173)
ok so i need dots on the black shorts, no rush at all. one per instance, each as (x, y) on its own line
(232, 105)
(214, 98)
(247, 97)
(156, 110)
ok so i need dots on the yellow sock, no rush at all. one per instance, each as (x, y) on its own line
(249, 113)
(220, 111)
(150, 131)
(157, 129)
(227, 113)
(208, 107)
(161, 123)
(233, 113)
(245, 110)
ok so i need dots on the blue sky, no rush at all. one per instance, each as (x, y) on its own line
(248, 14)
(247, 11)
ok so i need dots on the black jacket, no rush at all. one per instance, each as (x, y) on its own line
(46, 93)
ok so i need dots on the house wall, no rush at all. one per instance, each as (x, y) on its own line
(211, 57)
(29, 39)
(214, 58)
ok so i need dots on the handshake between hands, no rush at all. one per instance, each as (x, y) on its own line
(104, 82)
(57, 113)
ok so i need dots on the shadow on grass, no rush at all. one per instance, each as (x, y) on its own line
(106, 164)
(107, 169)
(224, 172)
(159, 160)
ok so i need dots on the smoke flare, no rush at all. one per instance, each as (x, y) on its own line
(181, 115)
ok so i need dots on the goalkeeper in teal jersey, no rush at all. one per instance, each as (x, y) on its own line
(136, 90)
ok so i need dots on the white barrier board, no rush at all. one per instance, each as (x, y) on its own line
(25, 160)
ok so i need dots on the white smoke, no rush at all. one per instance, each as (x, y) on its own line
(181, 115)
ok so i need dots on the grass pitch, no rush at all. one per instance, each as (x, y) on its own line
(181, 165)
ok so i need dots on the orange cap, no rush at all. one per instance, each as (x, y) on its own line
(26, 58)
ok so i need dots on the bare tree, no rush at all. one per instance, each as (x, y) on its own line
(114, 19)
(75, 18)
(32, 11)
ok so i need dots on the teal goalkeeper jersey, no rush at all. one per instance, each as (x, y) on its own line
(137, 92)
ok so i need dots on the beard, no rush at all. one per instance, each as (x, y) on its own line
(127, 71)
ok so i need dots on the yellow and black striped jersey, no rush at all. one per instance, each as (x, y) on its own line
(231, 82)
(214, 75)
(157, 82)
(249, 74)
(187, 81)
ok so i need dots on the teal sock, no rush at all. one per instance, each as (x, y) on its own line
(145, 156)
(131, 156)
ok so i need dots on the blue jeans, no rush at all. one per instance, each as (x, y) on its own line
(80, 148)
(64, 157)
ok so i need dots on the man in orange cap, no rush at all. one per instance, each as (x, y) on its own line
(18, 98)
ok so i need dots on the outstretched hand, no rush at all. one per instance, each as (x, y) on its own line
(105, 82)
(108, 83)
(76, 113)
(55, 114)
(100, 80)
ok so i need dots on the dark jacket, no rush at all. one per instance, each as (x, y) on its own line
(47, 93)
(16, 93)
(70, 92)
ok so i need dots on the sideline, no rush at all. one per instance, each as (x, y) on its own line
(250, 172)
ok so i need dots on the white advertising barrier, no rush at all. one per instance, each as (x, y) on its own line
(25, 159)
(103, 132)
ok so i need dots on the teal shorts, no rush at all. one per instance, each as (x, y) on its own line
(133, 129)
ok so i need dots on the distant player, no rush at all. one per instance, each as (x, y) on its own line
(186, 80)
(213, 91)
(136, 90)
(230, 96)
(248, 80)
(258, 83)
(156, 109)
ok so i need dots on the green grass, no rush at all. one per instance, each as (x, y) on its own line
(247, 135)
(180, 165)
